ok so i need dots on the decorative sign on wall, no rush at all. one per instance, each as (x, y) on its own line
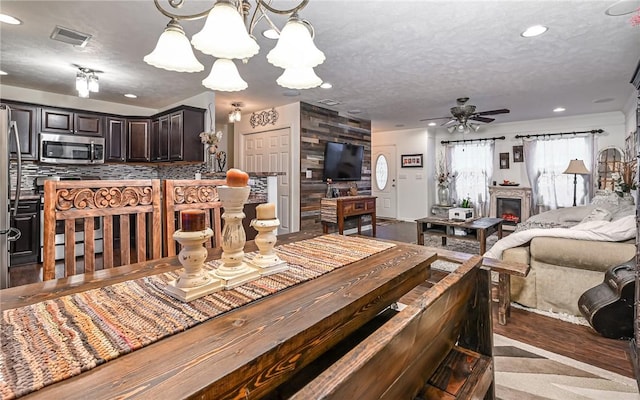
(264, 118)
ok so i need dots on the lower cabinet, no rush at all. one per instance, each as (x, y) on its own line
(26, 249)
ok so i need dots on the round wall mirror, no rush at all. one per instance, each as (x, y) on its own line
(610, 160)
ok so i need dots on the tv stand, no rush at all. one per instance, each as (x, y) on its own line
(336, 210)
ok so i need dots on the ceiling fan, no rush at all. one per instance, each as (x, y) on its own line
(463, 114)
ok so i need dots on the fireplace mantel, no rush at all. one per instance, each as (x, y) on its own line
(523, 194)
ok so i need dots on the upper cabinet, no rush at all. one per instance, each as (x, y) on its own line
(116, 139)
(25, 118)
(138, 146)
(176, 135)
(55, 120)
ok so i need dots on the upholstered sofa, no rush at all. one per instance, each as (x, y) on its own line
(564, 268)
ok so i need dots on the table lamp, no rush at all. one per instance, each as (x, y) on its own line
(576, 167)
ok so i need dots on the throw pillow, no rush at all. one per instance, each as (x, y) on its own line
(598, 214)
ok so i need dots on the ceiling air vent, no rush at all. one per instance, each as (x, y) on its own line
(329, 102)
(70, 36)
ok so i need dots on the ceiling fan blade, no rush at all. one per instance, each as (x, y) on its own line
(482, 119)
(431, 119)
(494, 112)
(449, 121)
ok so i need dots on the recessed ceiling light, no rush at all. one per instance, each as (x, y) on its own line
(559, 109)
(432, 124)
(622, 7)
(2, 73)
(326, 85)
(131, 96)
(271, 34)
(535, 30)
(9, 19)
(604, 100)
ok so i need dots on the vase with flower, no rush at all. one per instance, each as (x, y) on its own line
(211, 139)
(444, 196)
(624, 183)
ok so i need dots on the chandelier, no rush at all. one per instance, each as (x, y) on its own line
(87, 81)
(228, 34)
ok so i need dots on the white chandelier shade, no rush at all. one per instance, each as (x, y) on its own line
(224, 77)
(295, 47)
(299, 78)
(224, 34)
(173, 51)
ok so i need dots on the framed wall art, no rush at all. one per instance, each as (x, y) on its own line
(411, 160)
(518, 154)
(504, 160)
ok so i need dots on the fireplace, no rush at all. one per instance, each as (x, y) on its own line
(513, 204)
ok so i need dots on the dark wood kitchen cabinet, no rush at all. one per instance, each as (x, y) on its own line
(160, 139)
(54, 120)
(116, 139)
(139, 140)
(25, 118)
(185, 126)
(26, 249)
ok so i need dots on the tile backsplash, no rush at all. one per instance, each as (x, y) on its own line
(31, 170)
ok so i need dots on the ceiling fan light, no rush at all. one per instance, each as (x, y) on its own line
(224, 77)
(173, 51)
(451, 129)
(474, 127)
(224, 34)
(299, 78)
(295, 47)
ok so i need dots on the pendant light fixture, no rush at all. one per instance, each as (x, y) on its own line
(226, 36)
(87, 81)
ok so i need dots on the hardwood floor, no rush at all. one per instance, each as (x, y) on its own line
(574, 341)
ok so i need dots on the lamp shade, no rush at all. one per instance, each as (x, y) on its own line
(577, 167)
(224, 77)
(295, 47)
(299, 78)
(173, 51)
(224, 34)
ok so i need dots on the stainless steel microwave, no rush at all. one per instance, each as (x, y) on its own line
(71, 149)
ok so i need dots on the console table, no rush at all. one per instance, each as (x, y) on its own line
(335, 210)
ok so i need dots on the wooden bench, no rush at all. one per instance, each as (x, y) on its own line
(438, 347)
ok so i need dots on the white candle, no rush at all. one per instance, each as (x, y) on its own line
(266, 211)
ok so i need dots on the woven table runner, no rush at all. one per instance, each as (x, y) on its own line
(47, 342)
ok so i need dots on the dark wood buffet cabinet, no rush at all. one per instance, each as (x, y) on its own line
(172, 135)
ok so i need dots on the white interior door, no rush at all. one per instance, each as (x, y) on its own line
(269, 152)
(384, 184)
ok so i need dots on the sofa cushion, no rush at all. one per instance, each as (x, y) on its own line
(582, 254)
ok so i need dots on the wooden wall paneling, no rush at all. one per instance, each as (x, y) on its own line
(318, 126)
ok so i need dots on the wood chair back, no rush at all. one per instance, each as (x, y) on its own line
(410, 347)
(183, 194)
(119, 201)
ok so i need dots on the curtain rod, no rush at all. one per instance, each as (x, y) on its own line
(471, 140)
(594, 131)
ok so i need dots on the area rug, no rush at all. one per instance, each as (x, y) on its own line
(525, 372)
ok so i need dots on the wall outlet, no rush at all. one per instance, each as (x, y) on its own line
(309, 174)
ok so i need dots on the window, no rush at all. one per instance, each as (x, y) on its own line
(382, 172)
(546, 161)
(472, 165)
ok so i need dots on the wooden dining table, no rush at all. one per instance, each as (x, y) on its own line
(244, 353)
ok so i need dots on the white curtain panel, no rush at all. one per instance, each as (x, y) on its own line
(472, 165)
(547, 158)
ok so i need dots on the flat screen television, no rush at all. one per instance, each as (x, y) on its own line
(342, 162)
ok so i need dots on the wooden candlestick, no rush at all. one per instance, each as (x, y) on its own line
(193, 220)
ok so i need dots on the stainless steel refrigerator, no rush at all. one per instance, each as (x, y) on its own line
(8, 135)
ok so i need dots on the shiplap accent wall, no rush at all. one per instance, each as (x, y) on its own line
(317, 127)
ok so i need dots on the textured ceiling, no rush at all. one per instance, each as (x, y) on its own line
(395, 61)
